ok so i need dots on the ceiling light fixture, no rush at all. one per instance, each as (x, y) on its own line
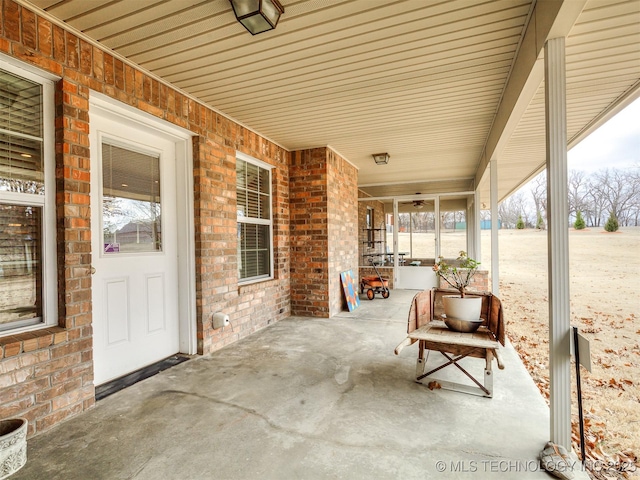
(257, 16)
(381, 158)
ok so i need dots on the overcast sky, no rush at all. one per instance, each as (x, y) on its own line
(616, 144)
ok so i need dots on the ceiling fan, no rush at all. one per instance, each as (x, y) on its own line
(416, 203)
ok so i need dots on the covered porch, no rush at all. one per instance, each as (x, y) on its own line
(466, 99)
(321, 398)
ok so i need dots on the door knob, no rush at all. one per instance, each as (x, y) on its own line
(93, 270)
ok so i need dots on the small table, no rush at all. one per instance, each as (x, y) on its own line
(400, 259)
(455, 346)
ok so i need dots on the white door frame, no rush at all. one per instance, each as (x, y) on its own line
(185, 200)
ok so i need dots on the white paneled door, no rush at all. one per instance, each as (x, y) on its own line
(134, 246)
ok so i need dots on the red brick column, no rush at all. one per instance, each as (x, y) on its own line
(342, 200)
(309, 233)
(324, 230)
(72, 381)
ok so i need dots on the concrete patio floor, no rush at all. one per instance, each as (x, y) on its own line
(304, 399)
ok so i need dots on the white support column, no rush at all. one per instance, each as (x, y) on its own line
(474, 237)
(558, 242)
(471, 242)
(477, 213)
(495, 254)
(396, 223)
(438, 249)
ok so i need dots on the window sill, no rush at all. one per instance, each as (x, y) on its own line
(12, 345)
(255, 284)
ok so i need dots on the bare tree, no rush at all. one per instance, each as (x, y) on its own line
(596, 196)
(617, 191)
(634, 210)
(485, 214)
(511, 208)
(577, 191)
(596, 205)
(448, 220)
(403, 222)
(539, 193)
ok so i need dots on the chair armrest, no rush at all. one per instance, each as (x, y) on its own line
(498, 356)
(405, 343)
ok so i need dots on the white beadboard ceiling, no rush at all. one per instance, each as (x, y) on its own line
(442, 86)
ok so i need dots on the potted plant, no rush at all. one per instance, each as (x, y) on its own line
(13, 445)
(459, 276)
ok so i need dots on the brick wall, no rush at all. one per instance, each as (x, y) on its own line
(250, 307)
(308, 191)
(479, 282)
(324, 223)
(47, 375)
(342, 201)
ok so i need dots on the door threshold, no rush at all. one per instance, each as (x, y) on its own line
(109, 388)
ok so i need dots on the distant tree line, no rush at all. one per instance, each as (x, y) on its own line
(605, 196)
(420, 222)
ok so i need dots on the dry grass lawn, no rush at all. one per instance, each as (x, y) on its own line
(604, 270)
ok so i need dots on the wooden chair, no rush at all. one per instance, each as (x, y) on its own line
(425, 327)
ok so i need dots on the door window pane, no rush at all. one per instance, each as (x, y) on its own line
(131, 207)
(20, 265)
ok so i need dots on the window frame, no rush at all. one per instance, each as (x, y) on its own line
(47, 201)
(257, 221)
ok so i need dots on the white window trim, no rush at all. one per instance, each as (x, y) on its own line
(48, 201)
(269, 222)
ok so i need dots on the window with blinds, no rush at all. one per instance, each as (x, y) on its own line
(253, 188)
(22, 202)
(21, 138)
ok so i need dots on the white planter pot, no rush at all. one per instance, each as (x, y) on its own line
(467, 308)
(13, 446)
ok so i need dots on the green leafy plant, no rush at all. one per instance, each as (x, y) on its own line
(579, 223)
(612, 223)
(458, 276)
(520, 223)
(540, 222)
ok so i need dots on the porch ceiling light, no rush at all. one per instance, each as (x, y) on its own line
(257, 16)
(381, 158)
